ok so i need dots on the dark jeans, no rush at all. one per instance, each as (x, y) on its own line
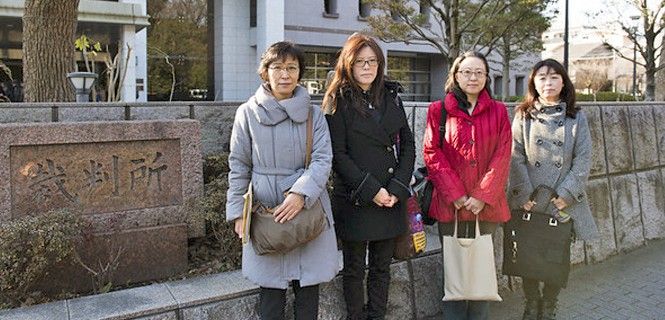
(378, 279)
(532, 290)
(273, 301)
(465, 309)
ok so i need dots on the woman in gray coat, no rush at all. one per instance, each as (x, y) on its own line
(552, 147)
(268, 148)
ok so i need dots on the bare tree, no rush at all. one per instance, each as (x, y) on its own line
(643, 37)
(451, 26)
(49, 27)
(592, 75)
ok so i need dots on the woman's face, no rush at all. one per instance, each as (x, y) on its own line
(365, 67)
(471, 76)
(548, 84)
(283, 77)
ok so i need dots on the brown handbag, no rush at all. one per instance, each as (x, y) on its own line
(270, 237)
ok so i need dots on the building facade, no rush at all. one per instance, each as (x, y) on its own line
(242, 30)
(592, 60)
(120, 24)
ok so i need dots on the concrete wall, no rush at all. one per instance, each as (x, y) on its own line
(626, 191)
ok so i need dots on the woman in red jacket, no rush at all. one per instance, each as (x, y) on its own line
(469, 169)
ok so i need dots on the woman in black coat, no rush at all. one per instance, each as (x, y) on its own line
(373, 157)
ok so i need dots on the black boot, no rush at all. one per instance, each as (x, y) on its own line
(531, 309)
(549, 309)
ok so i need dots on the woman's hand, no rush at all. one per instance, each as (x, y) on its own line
(559, 203)
(382, 198)
(528, 205)
(474, 205)
(392, 202)
(238, 227)
(291, 206)
(459, 203)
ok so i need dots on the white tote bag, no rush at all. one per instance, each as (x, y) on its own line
(468, 267)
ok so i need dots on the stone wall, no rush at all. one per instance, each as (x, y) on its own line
(132, 180)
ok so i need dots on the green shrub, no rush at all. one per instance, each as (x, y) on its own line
(211, 208)
(584, 97)
(606, 96)
(29, 247)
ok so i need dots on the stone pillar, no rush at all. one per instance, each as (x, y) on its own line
(128, 86)
(269, 24)
(139, 52)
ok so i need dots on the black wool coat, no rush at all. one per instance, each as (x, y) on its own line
(364, 160)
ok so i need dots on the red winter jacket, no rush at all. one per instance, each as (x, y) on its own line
(474, 159)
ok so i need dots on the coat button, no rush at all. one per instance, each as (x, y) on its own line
(471, 142)
(560, 123)
(391, 170)
(389, 149)
(469, 122)
(472, 163)
(537, 164)
(539, 142)
(558, 109)
(558, 164)
(559, 143)
(541, 120)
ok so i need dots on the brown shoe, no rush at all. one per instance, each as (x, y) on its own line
(531, 309)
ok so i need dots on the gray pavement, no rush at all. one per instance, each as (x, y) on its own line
(626, 286)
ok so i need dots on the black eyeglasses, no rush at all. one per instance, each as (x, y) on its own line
(360, 63)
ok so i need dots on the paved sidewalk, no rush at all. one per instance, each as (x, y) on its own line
(626, 286)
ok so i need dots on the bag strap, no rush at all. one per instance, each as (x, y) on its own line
(442, 123)
(310, 138)
(457, 222)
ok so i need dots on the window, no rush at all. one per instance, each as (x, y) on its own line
(413, 72)
(318, 62)
(363, 9)
(498, 87)
(252, 13)
(519, 85)
(330, 7)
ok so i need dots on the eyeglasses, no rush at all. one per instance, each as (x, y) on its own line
(288, 69)
(467, 73)
(360, 63)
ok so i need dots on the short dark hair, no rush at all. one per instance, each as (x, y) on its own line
(567, 94)
(279, 51)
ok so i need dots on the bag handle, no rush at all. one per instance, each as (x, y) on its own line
(309, 141)
(553, 193)
(457, 222)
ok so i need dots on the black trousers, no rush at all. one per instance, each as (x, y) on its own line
(532, 290)
(273, 301)
(378, 279)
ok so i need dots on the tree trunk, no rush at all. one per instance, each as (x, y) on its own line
(660, 78)
(505, 79)
(49, 28)
(454, 45)
(650, 93)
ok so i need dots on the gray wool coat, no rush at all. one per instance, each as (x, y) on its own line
(268, 148)
(553, 150)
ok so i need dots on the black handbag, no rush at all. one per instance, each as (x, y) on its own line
(423, 187)
(536, 245)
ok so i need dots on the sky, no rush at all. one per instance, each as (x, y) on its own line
(578, 9)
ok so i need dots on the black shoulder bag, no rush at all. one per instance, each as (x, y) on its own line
(536, 245)
(423, 186)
